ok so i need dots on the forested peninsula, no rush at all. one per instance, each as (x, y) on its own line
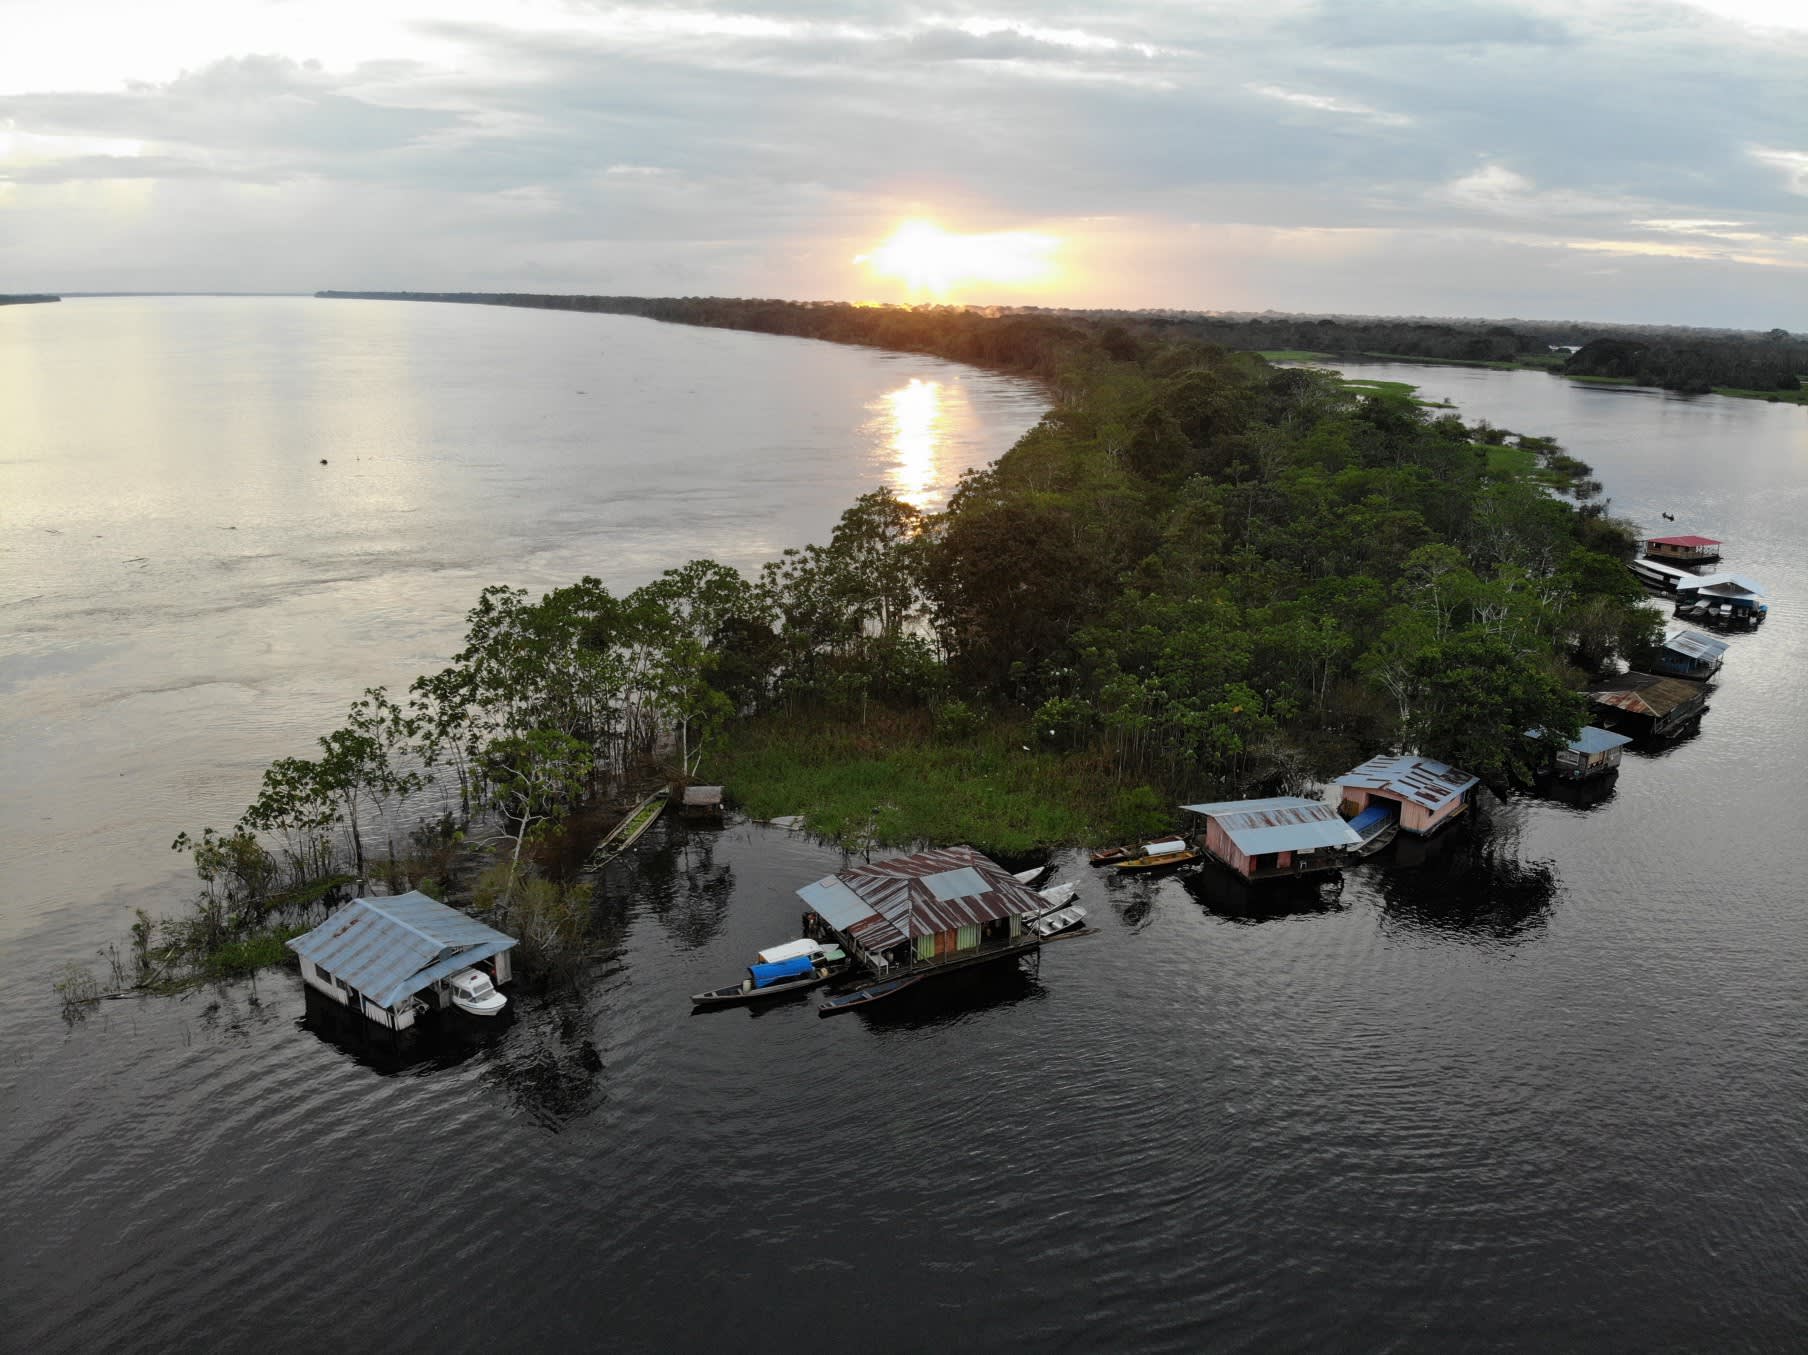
(1768, 365)
(25, 299)
(1200, 576)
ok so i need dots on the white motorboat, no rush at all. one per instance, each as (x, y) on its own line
(1061, 920)
(473, 992)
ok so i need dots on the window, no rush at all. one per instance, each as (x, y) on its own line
(926, 947)
(322, 975)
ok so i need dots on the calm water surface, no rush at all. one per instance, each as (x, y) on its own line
(1539, 1084)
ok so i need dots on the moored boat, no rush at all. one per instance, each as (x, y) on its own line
(1107, 856)
(1058, 922)
(793, 975)
(861, 997)
(1160, 856)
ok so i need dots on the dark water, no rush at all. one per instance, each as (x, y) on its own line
(1539, 1084)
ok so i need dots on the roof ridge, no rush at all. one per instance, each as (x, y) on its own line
(404, 922)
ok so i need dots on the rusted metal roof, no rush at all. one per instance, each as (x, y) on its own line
(1423, 780)
(1646, 694)
(884, 903)
(1280, 823)
(1683, 541)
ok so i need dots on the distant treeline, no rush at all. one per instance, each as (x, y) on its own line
(25, 299)
(1034, 341)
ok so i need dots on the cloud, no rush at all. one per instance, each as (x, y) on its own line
(616, 146)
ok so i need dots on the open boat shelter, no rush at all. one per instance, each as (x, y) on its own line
(389, 958)
(1650, 703)
(1690, 654)
(1275, 838)
(1429, 793)
(943, 907)
(1722, 599)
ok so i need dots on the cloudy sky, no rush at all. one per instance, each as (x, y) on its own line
(1604, 159)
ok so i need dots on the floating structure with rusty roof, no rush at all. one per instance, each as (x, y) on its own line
(1429, 793)
(930, 910)
(1280, 837)
(1650, 704)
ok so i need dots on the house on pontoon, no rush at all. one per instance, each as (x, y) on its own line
(1731, 600)
(1683, 550)
(1281, 837)
(1426, 793)
(1660, 577)
(1594, 752)
(391, 959)
(1646, 703)
(1690, 654)
(933, 910)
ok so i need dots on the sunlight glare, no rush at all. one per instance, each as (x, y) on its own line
(914, 412)
(928, 259)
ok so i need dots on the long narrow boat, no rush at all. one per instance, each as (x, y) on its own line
(744, 991)
(1160, 856)
(860, 997)
(626, 833)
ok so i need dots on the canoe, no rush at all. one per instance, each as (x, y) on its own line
(860, 997)
(1106, 856)
(1160, 861)
(1055, 896)
(1030, 876)
(626, 833)
(1059, 921)
(744, 991)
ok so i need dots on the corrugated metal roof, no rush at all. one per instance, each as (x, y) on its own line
(1683, 541)
(1646, 694)
(1280, 823)
(1725, 585)
(1695, 645)
(1592, 740)
(1423, 780)
(896, 900)
(390, 948)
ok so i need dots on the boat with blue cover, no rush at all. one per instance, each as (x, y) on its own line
(1377, 826)
(792, 974)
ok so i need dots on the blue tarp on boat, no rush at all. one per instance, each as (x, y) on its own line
(1371, 818)
(765, 975)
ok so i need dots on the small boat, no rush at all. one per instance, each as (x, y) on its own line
(767, 981)
(1110, 856)
(1160, 856)
(1057, 921)
(1377, 826)
(472, 991)
(860, 997)
(1056, 896)
(626, 833)
(1030, 876)
(822, 952)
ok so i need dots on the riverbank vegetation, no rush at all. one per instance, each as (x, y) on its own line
(1199, 576)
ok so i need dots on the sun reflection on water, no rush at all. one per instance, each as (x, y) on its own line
(912, 423)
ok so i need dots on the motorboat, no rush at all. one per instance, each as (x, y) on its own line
(1160, 855)
(472, 991)
(794, 974)
(1057, 922)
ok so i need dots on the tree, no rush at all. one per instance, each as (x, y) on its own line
(532, 779)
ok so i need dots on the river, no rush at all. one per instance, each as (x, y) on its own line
(1537, 1084)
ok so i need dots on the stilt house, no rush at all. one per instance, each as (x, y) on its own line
(1645, 703)
(389, 958)
(1429, 793)
(1276, 838)
(1722, 600)
(935, 909)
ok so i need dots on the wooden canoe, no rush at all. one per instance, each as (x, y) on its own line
(1161, 862)
(744, 991)
(860, 997)
(626, 833)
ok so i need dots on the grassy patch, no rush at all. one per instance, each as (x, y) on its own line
(1405, 390)
(1799, 396)
(1602, 380)
(1511, 462)
(895, 780)
(248, 954)
(1292, 355)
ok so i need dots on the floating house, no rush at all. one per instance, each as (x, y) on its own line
(1277, 838)
(394, 958)
(1594, 752)
(1730, 600)
(1683, 550)
(1690, 654)
(1646, 703)
(1427, 793)
(927, 912)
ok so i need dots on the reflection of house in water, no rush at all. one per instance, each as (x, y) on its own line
(391, 959)
(1228, 896)
(1468, 888)
(1428, 793)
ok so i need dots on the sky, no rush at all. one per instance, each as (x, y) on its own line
(1625, 160)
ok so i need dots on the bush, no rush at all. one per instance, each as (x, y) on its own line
(956, 720)
(1063, 722)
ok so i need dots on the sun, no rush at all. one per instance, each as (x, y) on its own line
(928, 259)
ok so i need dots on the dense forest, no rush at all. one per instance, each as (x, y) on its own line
(25, 300)
(1199, 575)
